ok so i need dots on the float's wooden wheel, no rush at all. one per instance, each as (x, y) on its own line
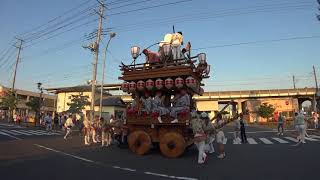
(139, 142)
(172, 144)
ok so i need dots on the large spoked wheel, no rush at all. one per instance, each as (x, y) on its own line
(139, 142)
(172, 144)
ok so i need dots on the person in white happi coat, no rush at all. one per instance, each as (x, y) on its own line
(182, 103)
(210, 132)
(177, 41)
(198, 126)
(86, 129)
(147, 102)
(158, 107)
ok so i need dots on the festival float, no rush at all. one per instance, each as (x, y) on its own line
(168, 70)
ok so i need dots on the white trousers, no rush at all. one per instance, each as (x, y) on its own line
(68, 132)
(302, 132)
(209, 146)
(202, 155)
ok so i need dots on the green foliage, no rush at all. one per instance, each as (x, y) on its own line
(34, 104)
(9, 101)
(266, 110)
(78, 103)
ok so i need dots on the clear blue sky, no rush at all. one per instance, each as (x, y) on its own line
(206, 23)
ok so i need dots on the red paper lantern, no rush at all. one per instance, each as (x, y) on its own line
(125, 87)
(140, 85)
(149, 84)
(132, 86)
(179, 82)
(191, 82)
(168, 83)
(159, 83)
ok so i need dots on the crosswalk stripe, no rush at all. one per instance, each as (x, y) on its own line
(10, 132)
(251, 141)
(39, 133)
(47, 133)
(23, 133)
(5, 134)
(29, 132)
(280, 140)
(20, 133)
(292, 139)
(310, 139)
(266, 141)
(315, 136)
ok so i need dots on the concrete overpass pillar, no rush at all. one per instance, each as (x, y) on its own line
(239, 106)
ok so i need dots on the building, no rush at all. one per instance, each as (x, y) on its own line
(23, 96)
(110, 104)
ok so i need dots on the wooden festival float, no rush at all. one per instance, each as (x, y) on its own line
(162, 72)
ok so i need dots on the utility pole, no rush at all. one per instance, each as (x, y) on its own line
(294, 82)
(96, 57)
(16, 66)
(315, 78)
(315, 102)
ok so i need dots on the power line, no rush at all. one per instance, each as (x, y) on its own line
(54, 19)
(148, 7)
(260, 41)
(206, 16)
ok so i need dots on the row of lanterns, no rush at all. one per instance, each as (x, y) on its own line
(169, 83)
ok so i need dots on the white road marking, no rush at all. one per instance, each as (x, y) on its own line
(66, 154)
(310, 139)
(315, 136)
(27, 134)
(31, 132)
(5, 134)
(280, 140)
(168, 176)
(251, 141)
(10, 132)
(114, 167)
(266, 141)
(38, 133)
(47, 133)
(292, 139)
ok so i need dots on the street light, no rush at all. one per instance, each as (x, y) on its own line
(135, 50)
(111, 35)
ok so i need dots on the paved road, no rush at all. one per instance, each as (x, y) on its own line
(47, 156)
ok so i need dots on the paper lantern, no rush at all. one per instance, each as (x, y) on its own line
(168, 83)
(125, 87)
(159, 83)
(179, 82)
(140, 85)
(191, 82)
(149, 84)
(132, 86)
(202, 58)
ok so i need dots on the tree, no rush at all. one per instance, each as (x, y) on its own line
(78, 103)
(266, 110)
(10, 101)
(34, 104)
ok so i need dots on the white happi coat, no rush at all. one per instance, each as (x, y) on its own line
(147, 104)
(158, 107)
(181, 104)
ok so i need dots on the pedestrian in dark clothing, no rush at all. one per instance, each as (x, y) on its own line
(56, 122)
(243, 130)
